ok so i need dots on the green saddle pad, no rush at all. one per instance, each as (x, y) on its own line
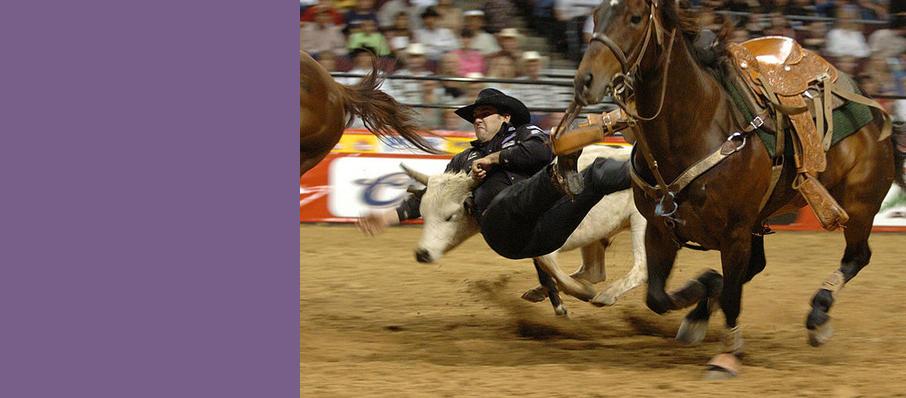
(848, 119)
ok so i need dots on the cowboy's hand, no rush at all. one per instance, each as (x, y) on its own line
(375, 222)
(481, 166)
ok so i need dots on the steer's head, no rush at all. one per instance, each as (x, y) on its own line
(447, 222)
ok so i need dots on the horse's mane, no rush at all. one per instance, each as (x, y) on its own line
(679, 14)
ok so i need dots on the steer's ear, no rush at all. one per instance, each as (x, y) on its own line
(420, 177)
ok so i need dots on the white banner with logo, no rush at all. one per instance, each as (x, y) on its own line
(360, 184)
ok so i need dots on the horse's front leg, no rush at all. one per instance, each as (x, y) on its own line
(735, 256)
(660, 254)
(695, 324)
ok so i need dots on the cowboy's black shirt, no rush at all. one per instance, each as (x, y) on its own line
(523, 152)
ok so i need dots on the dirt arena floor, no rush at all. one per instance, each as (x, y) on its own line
(376, 323)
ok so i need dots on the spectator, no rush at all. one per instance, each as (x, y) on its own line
(872, 9)
(322, 35)
(399, 35)
(483, 41)
(368, 36)
(409, 91)
(436, 40)
(311, 12)
(571, 16)
(779, 26)
(361, 64)
(452, 121)
(847, 38)
(800, 8)
(450, 67)
(891, 41)
(450, 15)
(825, 8)
(364, 9)
(502, 66)
(508, 39)
(739, 35)
(472, 89)
(877, 69)
(537, 95)
(499, 14)
(389, 12)
(470, 59)
(848, 64)
(328, 59)
(815, 36)
(431, 93)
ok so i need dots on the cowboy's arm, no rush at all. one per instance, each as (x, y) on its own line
(528, 155)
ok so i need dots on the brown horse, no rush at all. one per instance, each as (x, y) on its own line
(327, 108)
(722, 209)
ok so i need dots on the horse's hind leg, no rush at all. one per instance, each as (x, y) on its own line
(551, 286)
(860, 194)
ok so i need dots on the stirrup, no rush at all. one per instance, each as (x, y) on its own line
(566, 175)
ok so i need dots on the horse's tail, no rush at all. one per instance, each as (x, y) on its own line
(382, 114)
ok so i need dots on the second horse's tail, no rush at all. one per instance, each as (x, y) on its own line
(381, 114)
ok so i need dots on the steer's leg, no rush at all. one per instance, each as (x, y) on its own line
(551, 288)
(639, 272)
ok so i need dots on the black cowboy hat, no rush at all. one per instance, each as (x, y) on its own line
(519, 114)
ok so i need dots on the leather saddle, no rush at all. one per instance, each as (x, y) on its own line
(797, 87)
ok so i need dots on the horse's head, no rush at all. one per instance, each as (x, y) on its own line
(625, 30)
(444, 210)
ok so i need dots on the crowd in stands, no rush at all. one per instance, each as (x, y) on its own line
(479, 39)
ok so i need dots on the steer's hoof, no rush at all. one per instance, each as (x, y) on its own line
(604, 299)
(535, 295)
(820, 334)
(584, 290)
(692, 332)
(560, 310)
(722, 367)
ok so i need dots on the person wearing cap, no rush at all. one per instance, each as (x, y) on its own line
(539, 95)
(436, 40)
(322, 34)
(483, 41)
(508, 39)
(409, 91)
(507, 149)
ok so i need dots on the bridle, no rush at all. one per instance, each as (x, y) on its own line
(621, 86)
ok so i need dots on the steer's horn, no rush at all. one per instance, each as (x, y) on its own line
(420, 177)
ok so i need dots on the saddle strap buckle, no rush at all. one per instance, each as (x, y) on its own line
(756, 123)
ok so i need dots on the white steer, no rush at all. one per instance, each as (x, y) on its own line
(447, 224)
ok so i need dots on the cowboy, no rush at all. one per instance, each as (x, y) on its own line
(507, 149)
(520, 208)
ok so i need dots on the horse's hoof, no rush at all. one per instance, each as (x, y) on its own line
(820, 334)
(722, 367)
(560, 310)
(604, 299)
(692, 332)
(535, 295)
(715, 374)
